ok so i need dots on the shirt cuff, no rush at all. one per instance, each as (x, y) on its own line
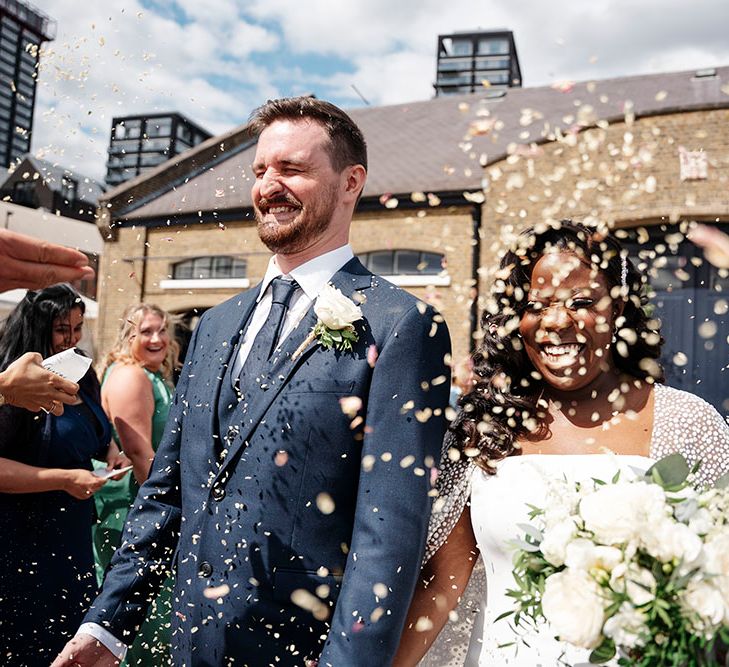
(104, 637)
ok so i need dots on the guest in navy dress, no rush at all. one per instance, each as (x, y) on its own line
(47, 576)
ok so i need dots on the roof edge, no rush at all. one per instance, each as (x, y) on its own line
(445, 199)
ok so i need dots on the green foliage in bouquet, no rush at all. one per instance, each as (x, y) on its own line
(657, 592)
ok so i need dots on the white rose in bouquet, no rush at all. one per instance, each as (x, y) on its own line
(335, 310)
(582, 554)
(667, 539)
(574, 607)
(617, 513)
(627, 628)
(704, 605)
(701, 522)
(555, 541)
(635, 581)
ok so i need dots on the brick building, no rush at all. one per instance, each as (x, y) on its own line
(449, 180)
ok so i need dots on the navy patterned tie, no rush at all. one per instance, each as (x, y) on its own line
(264, 344)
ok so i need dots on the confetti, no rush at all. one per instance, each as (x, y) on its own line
(324, 503)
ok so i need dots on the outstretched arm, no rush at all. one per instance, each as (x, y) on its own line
(27, 262)
(442, 582)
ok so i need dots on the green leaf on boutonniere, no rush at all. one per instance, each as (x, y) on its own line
(338, 339)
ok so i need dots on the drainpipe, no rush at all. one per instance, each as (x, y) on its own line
(475, 265)
(145, 253)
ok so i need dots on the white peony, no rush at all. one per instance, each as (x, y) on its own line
(335, 310)
(618, 513)
(627, 628)
(582, 554)
(574, 607)
(555, 541)
(716, 563)
(705, 605)
(666, 539)
(636, 582)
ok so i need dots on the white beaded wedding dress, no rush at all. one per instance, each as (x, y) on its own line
(683, 423)
(498, 504)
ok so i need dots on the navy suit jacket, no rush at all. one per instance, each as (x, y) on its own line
(306, 540)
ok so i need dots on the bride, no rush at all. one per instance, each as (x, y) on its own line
(567, 384)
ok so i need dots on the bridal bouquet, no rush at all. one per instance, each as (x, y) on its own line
(637, 568)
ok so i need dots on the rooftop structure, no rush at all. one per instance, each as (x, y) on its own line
(470, 61)
(139, 143)
(23, 28)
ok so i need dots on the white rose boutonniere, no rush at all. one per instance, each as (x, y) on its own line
(335, 326)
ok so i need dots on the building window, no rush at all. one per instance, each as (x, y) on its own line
(130, 129)
(456, 47)
(494, 78)
(201, 268)
(403, 262)
(158, 127)
(24, 194)
(493, 46)
(69, 188)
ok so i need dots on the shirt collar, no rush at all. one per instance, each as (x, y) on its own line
(312, 275)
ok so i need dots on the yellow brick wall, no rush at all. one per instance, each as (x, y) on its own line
(626, 174)
(447, 232)
(119, 282)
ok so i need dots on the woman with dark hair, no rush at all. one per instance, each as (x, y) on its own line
(567, 383)
(46, 486)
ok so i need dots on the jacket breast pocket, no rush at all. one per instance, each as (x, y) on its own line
(288, 582)
(321, 386)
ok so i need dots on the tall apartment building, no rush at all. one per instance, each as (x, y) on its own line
(140, 143)
(23, 28)
(470, 61)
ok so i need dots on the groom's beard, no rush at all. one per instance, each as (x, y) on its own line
(311, 223)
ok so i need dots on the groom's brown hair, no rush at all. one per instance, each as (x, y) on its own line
(347, 144)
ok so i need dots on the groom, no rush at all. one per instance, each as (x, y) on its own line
(290, 491)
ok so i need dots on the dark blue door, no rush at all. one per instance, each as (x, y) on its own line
(691, 299)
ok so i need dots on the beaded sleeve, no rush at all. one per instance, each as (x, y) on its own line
(453, 486)
(686, 423)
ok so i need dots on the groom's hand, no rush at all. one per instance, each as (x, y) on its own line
(85, 651)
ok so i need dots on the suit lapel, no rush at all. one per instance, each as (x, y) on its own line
(351, 278)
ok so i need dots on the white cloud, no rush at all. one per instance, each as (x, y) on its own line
(122, 59)
(215, 61)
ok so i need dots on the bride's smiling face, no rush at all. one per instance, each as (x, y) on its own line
(568, 323)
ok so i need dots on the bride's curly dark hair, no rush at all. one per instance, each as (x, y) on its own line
(503, 404)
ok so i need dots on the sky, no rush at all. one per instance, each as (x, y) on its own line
(216, 60)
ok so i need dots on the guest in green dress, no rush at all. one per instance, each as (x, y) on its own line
(136, 394)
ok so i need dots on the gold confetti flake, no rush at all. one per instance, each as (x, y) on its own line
(350, 405)
(215, 592)
(325, 503)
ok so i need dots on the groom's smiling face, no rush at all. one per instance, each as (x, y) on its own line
(297, 192)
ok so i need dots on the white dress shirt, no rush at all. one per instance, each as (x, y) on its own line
(311, 277)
